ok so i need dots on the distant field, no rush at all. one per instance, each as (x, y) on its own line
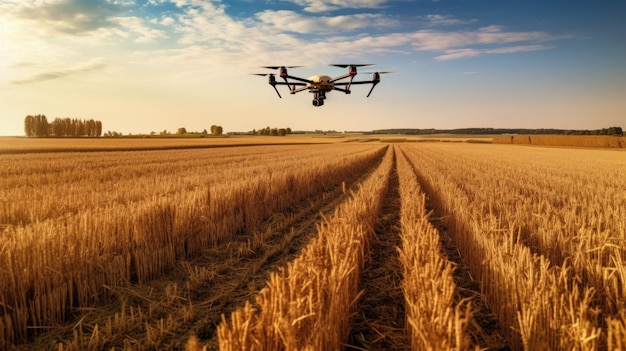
(317, 242)
(10, 145)
(594, 141)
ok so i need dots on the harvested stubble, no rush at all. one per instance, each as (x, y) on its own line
(543, 232)
(308, 305)
(150, 209)
(435, 319)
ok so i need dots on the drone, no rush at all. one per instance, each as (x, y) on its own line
(320, 84)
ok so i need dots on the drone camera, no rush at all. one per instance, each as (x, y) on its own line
(318, 102)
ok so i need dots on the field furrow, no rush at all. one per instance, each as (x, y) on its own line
(379, 321)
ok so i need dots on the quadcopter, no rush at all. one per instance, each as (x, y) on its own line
(320, 84)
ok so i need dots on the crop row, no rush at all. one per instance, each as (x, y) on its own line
(52, 265)
(310, 304)
(544, 233)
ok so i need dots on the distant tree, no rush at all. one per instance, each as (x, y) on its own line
(58, 128)
(288, 130)
(70, 127)
(216, 130)
(615, 131)
(181, 131)
(40, 126)
(98, 131)
(29, 126)
(282, 131)
(90, 128)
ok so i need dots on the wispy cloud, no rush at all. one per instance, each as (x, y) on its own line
(469, 52)
(49, 75)
(426, 40)
(204, 39)
(291, 21)
(138, 26)
(71, 16)
(445, 20)
(331, 5)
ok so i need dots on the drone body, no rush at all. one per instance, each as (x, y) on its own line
(320, 84)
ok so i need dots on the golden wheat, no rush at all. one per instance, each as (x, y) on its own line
(435, 320)
(307, 305)
(598, 141)
(64, 245)
(543, 231)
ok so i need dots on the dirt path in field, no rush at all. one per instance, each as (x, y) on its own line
(192, 297)
(379, 323)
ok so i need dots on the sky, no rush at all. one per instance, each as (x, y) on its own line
(151, 65)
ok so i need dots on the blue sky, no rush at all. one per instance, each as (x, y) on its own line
(149, 65)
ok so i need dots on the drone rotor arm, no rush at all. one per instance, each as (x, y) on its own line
(363, 82)
(291, 83)
(340, 78)
(347, 91)
(293, 91)
(298, 79)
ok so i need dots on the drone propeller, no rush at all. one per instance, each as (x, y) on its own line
(283, 74)
(277, 67)
(343, 65)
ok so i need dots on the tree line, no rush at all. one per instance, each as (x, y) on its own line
(271, 131)
(38, 126)
(496, 131)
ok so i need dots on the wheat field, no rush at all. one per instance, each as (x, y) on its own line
(342, 245)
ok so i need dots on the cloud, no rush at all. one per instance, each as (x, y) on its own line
(291, 21)
(445, 20)
(213, 42)
(425, 40)
(331, 5)
(50, 75)
(71, 16)
(204, 40)
(468, 52)
(137, 26)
